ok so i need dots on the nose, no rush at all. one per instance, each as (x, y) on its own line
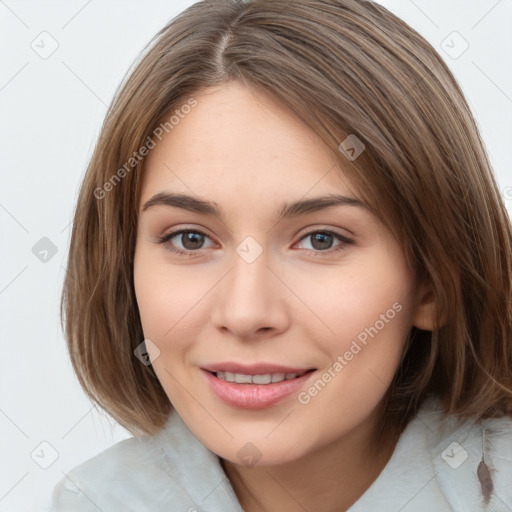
(250, 301)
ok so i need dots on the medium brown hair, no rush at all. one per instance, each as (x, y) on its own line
(344, 67)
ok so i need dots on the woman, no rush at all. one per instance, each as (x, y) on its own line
(290, 273)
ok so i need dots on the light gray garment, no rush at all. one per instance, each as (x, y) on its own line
(174, 472)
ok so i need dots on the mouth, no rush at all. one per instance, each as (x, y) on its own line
(255, 386)
(261, 378)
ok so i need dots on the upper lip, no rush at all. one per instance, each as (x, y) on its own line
(253, 369)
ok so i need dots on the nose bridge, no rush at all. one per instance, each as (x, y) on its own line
(249, 299)
(250, 278)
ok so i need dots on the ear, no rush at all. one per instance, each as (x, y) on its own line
(424, 317)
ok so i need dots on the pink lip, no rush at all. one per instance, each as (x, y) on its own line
(255, 396)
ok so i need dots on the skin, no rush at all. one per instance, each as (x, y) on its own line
(295, 305)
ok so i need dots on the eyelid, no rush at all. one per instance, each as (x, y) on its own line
(315, 228)
(180, 228)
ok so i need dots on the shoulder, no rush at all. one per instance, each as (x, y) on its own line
(435, 466)
(468, 456)
(145, 474)
(106, 480)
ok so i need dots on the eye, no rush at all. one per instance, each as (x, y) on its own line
(322, 241)
(184, 242)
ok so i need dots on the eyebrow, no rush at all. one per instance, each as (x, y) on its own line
(294, 209)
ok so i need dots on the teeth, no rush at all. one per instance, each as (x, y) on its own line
(262, 379)
(266, 378)
(242, 379)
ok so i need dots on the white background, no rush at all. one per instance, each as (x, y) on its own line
(50, 114)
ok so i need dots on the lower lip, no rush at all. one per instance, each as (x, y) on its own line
(254, 396)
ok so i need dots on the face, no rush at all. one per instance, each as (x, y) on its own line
(235, 284)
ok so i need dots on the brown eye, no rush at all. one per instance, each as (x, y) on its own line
(322, 241)
(184, 242)
(192, 240)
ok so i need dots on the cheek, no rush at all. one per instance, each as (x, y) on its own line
(170, 301)
(371, 326)
(368, 310)
(371, 317)
(380, 306)
(350, 301)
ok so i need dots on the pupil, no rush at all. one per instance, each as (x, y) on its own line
(322, 241)
(192, 240)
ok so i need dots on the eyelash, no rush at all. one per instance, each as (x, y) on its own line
(190, 253)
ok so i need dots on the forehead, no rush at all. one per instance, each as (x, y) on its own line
(236, 142)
